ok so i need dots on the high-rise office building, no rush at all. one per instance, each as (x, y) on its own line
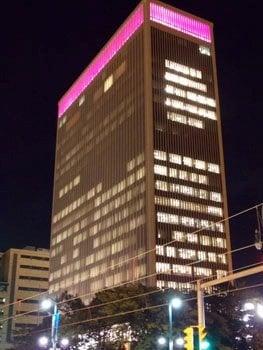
(24, 277)
(139, 161)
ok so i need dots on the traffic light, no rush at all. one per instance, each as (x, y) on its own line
(189, 338)
(203, 342)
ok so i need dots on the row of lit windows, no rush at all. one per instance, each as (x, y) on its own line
(200, 111)
(180, 68)
(117, 217)
(102, 253)
(174, 219)
(122, 229)
(188, 191)
(121, 186)
(179, 118)
(187, 161)
(135, 162)
(204, 240)
(69, 186)
(189, 95)
(175, 78)
(191, 206)
(181, 286)
(190, 254)
(180, 174)
(186, 270)
(77, 203)
(73, 229)
(100, 199)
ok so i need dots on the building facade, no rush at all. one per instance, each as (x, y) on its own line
(25, 273)
(139, 186)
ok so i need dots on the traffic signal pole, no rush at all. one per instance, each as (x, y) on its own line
(231, 277)
(200, 304)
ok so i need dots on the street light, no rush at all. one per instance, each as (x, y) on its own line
(43, 341)
(259, 309)
(161, 341)
(174, 303)
(47, 304)
(64, 342)
(179, 341)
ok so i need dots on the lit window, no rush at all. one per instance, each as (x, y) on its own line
(182, 269)
(175, 78)
(201, 255)
(81, 100)
(200, 164)
(202, 271)
(189, 254)
(167, 218)
(215, 196)
(192, 238)
(160, 169)
(204, 50)
(161, 185)
(162, 267)
(213, 168)
(171, 252)
(173, 172)
(183, 175)
(175, 158)
(188, 161)
(211, 257)
(179, 118)
(108, 83)
(160, 155)
(178, 236)
(205, 240)
(222, 258)
(202, 112)
(180, 68)
(160, 250)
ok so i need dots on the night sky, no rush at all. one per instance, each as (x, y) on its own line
(45, 45)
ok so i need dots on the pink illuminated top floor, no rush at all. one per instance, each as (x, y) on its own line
(159, 14)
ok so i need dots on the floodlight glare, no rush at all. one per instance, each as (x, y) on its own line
(43, 341)
(46, 304)
(161, 341)
(176, 303)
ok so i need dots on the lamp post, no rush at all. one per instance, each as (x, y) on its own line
(175, 303)
(46, 305)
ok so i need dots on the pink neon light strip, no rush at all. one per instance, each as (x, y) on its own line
(110, 50)
(180, 22)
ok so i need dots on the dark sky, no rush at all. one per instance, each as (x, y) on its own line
(44, 47)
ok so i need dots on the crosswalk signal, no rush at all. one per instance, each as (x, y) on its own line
(189, 338)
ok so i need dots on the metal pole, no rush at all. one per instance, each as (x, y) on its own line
(54, 329)
(170, 311)
(200, 305)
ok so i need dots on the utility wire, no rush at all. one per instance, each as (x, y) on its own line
(149, 251)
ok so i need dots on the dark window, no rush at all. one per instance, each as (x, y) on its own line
(35, 257)
(34, 267)
(33, 278)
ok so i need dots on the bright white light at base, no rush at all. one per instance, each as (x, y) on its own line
(249, 306)
(179, 341)
(46, 304)
(162, 341)
(43, 341)
(246, 318)
(204, 345)
(176, 303)
(260, 310)
(64, 342)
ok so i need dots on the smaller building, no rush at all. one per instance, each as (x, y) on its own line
(3, 313)
(25, 272)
